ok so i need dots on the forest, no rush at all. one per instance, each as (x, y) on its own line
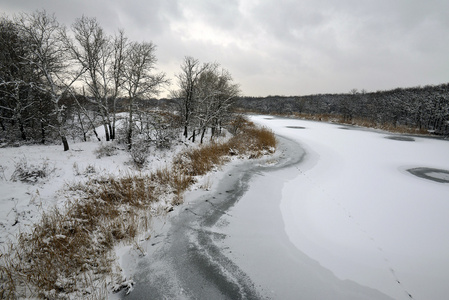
(418, 109)
(59, 84)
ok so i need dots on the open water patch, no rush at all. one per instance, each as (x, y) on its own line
(400, 138)
(437, 175)
(295, 127)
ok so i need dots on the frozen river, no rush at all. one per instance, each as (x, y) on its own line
(354, 205)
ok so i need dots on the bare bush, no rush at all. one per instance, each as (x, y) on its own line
(106, 149)
(139, 152)
(165, 129)
(30, 173)
(158, 127)
(237, 124)
(89, 170)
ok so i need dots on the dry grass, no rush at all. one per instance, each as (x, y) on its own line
(251, 142)
(403, 129)
(201, 160)
(71, 249)
(363, 123)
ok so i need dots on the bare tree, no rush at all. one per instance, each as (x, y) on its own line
(191, 69)
(94, 51)
(139, 77)
(47, 54)
(206, 93)
(216, 94)
(103, 56)
(120, 43)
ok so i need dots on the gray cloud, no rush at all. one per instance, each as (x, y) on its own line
(284, 47)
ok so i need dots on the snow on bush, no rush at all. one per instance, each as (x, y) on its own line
(31, 173)
(140, 152)
(106, 149)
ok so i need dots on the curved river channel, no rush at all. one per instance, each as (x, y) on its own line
(335, 214)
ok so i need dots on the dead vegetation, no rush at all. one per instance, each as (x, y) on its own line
(31, 173)
(390, 127)
(393, 128)
(69, 252)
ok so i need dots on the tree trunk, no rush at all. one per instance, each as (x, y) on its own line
(130, 126)
(111, 133)
(114, 103)
(22, 130)
(42, 133)
(82, 126)
(185, 131)
(106, 131)
(202, 134)
(193, 136)
(65, 143)
(96, 134)
(59, 122)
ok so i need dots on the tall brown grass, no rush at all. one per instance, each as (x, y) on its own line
(250, 141)
(390, 127)
(71, 249)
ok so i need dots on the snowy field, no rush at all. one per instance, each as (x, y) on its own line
(22, 203)
(352, 206)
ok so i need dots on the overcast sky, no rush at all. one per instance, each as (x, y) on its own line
(282, 47)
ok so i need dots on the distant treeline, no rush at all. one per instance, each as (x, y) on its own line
(421, 108)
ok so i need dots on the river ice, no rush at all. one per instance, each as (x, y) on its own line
(351, 206)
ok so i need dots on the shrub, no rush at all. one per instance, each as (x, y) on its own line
(262, 138)
(106, 149)
(238, 124)
(30, 173)
(89, 170)
(139, 152)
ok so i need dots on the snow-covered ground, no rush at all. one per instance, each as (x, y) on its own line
(22, 203)
(352, 206)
